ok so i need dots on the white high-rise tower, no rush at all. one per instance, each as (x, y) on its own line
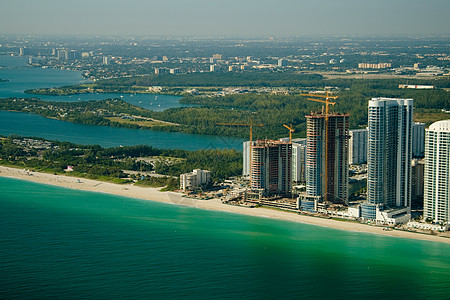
(436, 196)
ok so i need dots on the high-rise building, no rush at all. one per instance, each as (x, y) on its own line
(271, 167)
(437, 172)
(417, 171)
(214, 68)
(68, 54)
(246, 159)
(357, 146)
(61, 54)
(418, 139)
(299, 160)
(327, 166)
(282, 63)
(389, 156)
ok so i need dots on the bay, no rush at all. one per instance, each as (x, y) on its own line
(62, 243)
(22, 77)
(31, 125)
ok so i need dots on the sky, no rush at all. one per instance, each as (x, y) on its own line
(226, 17)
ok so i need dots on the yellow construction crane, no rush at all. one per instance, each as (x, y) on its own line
(327, 111)
(291, 130)
(326, 101)
(250, 125)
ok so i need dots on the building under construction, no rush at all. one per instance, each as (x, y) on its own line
(327, 157)
(270, 168)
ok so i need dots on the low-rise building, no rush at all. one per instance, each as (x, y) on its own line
(428, 226)
(175, 71)
(159, 71)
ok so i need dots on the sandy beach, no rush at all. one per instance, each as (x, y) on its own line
(153, 194)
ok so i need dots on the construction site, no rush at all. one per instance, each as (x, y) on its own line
(269, 181)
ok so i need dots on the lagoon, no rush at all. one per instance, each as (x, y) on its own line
(22, 77)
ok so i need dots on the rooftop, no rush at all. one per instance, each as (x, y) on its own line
(443, 126)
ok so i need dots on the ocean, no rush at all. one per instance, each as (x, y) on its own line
(62, 243)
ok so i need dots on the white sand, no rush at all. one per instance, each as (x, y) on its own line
(153, 194)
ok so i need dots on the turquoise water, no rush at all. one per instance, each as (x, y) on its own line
(62, 243)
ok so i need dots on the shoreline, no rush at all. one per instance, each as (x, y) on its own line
(153, 194)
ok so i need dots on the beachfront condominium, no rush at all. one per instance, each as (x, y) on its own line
(270, 167)
(246, 159)
(437, 172)
(299, 160)
(357, 146)
(327, 162)
(418, 139)
(389, 156)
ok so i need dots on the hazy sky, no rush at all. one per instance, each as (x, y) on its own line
(226, 17)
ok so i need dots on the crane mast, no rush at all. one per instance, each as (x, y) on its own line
(327, 111)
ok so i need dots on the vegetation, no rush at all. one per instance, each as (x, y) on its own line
(259, 108)
(169, 183)
(109, 164)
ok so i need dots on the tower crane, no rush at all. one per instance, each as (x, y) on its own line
(327, 111)
(291, 130)
(249, 125)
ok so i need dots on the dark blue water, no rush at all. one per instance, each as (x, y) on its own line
(24, 124)
(21, 77)
(147, 101)
(62, 243)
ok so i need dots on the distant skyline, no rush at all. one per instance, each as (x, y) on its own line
(226, 18)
